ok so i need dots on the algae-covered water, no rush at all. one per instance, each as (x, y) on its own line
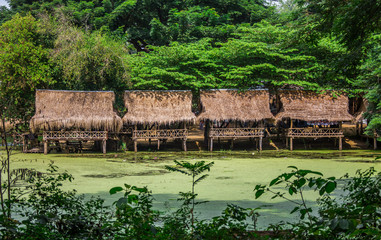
(231, 179)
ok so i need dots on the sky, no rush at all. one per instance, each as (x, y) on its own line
(3, 3)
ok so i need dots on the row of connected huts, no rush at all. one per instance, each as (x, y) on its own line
(160, 115)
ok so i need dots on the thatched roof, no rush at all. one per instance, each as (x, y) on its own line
(250, 105)
(66, 110)
(311, 106)
(163, 107)
(363, 108)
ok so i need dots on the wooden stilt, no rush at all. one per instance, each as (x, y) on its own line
(104, 146)
(149, 142)
(375, 143)
(340, 143)
(286, 142)
(256, 143)
(211, 144)
(135, 140)
(260, 144)
(45, 147)
(185, 145)
(375, 140)
(158, 144)
(23, 144)
(232, 144)
(291, 145)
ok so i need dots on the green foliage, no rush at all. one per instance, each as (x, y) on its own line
(134, 215)
(188, 198)
(24, 66)
(232, 222)
(370, 79)
(357, 212)
(260, 55)
(295, 182)
(44, 210)
(88, 61)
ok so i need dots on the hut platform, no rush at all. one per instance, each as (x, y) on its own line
(49, 136)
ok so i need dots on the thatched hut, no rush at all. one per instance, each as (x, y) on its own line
(158, 115)
(75, 115)
(308, 114)
(233, 114)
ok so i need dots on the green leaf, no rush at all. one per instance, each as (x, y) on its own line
(115, 190)
(330, 186)
(259, 193)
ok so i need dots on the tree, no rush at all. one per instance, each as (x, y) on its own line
(24, 67)
(138, 20)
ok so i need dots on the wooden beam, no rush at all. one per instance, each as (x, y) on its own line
(291, 144)
(158, 144)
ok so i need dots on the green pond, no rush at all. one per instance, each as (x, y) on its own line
(231, 179)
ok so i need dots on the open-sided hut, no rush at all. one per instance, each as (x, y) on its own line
(75, 116)
(234, 114)
(307, 114)
(158, 115)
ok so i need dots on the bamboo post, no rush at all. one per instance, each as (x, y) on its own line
(260, 144)
(375, 141)
(135, 139)
(340, 143)
(104, 146)
(45, 147)
(185, 139)
(340, 138)
(291, 146)
(23, 144)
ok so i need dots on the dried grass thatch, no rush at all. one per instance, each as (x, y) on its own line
(69, 110)
(311, 106)
(363, 108)
(220, 105)
(163, 107)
